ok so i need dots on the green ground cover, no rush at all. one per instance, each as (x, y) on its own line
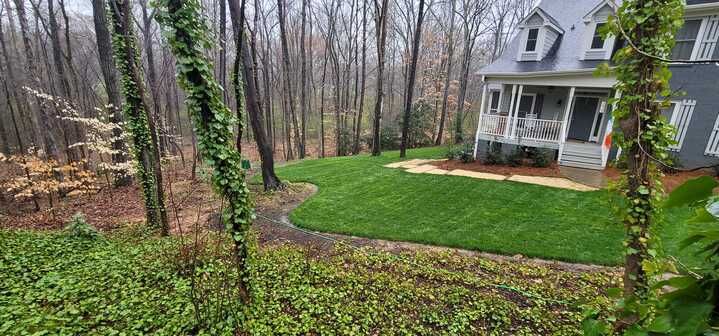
(357, 196)
(132, 284)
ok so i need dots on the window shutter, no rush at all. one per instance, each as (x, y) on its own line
(713, 145)
(681, 118)
(709, 41)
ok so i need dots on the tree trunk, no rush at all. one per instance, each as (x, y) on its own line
(411, 80)
(248, 89)
(381, 27)
(282, 12)
(141, 125)
(448, 74)
(303, 80)
(109, 75)
(45, 122)
(358, 126)
(152, 80)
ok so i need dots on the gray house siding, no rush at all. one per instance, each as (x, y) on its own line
(700, 84)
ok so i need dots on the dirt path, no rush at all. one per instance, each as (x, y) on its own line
(274, 227)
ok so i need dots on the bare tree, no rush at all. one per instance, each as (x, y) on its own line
(109, 75)
(381, 12)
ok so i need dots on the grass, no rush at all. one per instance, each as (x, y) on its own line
(133, 284)
(357, 196)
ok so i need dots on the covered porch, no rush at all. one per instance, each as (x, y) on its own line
(574, 120)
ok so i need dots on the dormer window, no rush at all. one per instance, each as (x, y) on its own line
(539, 33)
(596, 47)
(532, 37)
(597, 38)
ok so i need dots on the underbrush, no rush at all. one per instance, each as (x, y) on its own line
(134, 283)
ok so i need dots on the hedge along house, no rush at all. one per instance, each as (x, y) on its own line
(542, 92)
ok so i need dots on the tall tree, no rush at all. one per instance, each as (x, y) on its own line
(213, 120)
(281, 13)
(358, 127)
(448, 72)
(303, 80)
(411, 79)
(45, 122)
(140, 124)
(246, 85)
(472, 14)
(381, 12)
(109, 76)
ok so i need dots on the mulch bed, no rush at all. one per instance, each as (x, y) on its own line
(551, 171)
(670, 181)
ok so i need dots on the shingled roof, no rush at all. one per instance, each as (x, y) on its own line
(566, 53)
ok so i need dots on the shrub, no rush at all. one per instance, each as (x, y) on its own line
(494, 154)
(516, 157)
(541, 158)
(78, 227)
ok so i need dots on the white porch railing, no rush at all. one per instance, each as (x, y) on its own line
(541, 130)
(538, 129)
(493, 124)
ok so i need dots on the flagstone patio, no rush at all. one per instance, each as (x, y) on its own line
(420, 166)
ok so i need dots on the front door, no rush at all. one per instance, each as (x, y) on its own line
(584, 117)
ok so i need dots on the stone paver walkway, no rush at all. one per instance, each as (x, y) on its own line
(418, 166)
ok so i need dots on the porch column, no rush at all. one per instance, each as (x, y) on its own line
(516, 111)
(482, 106)
(511, 110)
(565, 121)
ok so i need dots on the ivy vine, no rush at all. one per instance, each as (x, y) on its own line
(649, 27)
(135, 110)
(185, 31)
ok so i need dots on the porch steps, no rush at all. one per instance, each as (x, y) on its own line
(582, 155)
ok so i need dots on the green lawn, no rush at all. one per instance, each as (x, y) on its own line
(357, 196)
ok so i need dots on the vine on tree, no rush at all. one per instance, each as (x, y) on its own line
(644, 137)
(139, 124)
(185, 31)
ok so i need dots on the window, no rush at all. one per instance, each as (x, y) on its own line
(597, 39)
(495, 97)
(686, 38)
(532, 36)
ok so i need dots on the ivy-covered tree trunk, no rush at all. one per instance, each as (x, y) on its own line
(140, 125)
(185, 31)
(109, 76)
(642, 77)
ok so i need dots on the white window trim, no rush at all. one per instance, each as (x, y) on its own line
(540, 43)
(700, 35)
(534, 102)
(589, 36)
(499, 103)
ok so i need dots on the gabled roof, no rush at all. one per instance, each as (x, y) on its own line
(598, 7)
(566, 54)
(548, 20)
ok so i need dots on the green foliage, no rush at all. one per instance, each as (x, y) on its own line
(185, 31)
(541, 157)
(135, 110)
(649, 27)
(516, 157)
(465, 154)
(55, 285)
(420, 125)
(493, 216)
(494, 154)
(80, 228)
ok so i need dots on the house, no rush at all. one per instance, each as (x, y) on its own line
(542, 92)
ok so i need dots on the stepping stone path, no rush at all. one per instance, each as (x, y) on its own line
(418, 166)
